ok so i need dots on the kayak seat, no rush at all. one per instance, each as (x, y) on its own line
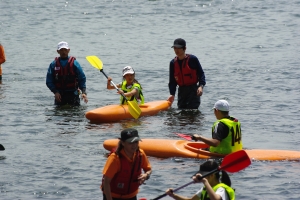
(201, 148)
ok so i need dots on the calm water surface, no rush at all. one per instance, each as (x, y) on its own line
(249, 51)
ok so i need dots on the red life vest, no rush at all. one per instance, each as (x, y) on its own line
(126, 180)
(184, 75)
(65, 77)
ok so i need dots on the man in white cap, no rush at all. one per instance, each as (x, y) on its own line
(65, 78)
(185, 71)
(226, 131)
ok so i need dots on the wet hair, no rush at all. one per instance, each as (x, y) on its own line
(119, 148)
(224, 112)
(224, 178)
(212, 165)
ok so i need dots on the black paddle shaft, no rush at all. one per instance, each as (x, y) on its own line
(205, 175)
(101, 70)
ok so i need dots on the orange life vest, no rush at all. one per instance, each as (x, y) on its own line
(126, 180)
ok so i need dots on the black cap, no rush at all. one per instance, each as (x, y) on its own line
(179, 43)
(130, 135)
(208, 166)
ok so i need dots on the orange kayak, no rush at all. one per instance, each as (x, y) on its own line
(165, 148)
(113, 113)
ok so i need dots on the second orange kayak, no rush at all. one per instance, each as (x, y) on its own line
(114, 113)
(165, 148)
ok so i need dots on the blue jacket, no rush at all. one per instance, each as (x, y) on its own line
(77, 69)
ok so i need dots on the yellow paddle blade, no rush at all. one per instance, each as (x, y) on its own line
(134, 109)
(95, 62)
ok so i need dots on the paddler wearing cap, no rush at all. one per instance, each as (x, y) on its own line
(130, 87)
(65, 78)
(216, 186)
(226, 131)
(122, 173)
(186, 72)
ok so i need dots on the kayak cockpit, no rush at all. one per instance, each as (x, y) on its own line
(201, 148)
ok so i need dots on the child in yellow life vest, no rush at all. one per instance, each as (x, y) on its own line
(130, 87)
(226, 131)
(216, 186)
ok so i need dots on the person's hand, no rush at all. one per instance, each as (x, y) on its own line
(198, 178)
(195, 137)
(142, 178)
(200, 91)
(57, 97)
(121, 92)
(170, 192)
(84, 97)
(109, 79)
(171, 98)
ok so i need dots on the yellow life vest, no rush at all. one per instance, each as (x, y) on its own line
(126, 89)
(229, 190)
(233, 142)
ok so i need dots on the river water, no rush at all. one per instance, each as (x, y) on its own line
(249, 51)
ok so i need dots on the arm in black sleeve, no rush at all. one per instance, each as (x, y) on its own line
(221, 131)
(195, 64)
(172, 81)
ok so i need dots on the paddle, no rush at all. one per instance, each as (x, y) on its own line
(2, 147)
(233, 162)
(184, 136)
(133, 107)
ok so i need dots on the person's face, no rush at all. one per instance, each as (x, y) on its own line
(215, 111)
(179, 51)
(63, 52)
(130, 148)
(217, 114)
(211, 178)
(129, 78)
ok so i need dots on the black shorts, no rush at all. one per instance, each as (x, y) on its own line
(187, 97)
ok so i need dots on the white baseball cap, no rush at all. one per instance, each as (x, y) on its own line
(63, 45)
(221, 105)
(128, 70)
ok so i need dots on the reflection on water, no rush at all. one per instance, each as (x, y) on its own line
(2, 90)
(2, 157)
(2, 149)
(75, 113)
(131, 124)
(68, 119)
(115, 127)
(178, 119)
